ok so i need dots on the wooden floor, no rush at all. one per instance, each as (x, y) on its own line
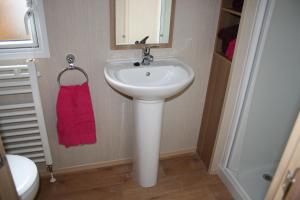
(182, 178)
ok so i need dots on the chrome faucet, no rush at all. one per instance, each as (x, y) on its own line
(147, 58)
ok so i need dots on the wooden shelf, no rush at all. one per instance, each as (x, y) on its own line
(231, 11)
(217, 84)
(220, 54)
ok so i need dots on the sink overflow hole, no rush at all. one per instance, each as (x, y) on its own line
(148, 73)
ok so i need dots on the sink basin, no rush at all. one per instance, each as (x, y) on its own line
(149, 86)
(160, 80)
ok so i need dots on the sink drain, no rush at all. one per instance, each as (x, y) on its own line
(267, 177)
(148, 73)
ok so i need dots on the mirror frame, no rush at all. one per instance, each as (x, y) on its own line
(113, 44)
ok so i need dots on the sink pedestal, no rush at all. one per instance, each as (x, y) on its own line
(164, 78)
(147, 128)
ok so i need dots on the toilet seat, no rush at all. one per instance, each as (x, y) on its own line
(25, 176)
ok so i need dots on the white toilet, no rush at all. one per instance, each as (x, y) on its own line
(25, 176)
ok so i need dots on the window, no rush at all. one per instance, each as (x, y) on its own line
(22, 29)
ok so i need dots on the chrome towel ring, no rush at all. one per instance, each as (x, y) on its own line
(70, 60)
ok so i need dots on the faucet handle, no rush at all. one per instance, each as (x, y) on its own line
(143, 41)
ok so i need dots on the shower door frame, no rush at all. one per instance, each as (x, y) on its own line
(244, 95)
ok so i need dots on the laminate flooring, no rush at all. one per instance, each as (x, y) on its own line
(181, 178)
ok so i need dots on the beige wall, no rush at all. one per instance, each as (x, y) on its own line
(82, 27)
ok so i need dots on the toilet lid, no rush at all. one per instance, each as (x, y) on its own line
(24, 172)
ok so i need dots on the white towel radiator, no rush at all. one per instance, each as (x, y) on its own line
(22, 125)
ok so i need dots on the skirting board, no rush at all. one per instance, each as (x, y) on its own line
(101, 164)
(232, 184)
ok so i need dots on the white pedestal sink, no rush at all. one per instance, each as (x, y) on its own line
(149, 86)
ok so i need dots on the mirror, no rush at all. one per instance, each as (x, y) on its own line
(133, 20)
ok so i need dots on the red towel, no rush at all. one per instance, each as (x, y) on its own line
(75, 116)
(230, 49)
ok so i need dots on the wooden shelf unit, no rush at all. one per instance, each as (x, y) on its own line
(217, 85)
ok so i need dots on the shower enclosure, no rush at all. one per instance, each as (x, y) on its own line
(271, 103)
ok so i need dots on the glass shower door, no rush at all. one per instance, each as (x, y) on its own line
(271, 105)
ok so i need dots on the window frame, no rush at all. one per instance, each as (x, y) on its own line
(38, 47)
